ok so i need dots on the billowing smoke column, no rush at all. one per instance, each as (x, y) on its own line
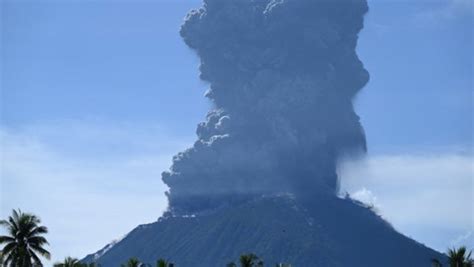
(282, 77)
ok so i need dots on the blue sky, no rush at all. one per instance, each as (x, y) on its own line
(97, 96)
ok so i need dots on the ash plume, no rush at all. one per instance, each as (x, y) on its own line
(282, 77)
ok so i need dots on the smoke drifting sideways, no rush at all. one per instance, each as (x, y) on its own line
(282, 75)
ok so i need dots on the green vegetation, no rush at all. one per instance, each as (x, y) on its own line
(248, 260)
(25, 242)
(132, 262)
(456, 258)
(73, 262)
(69, 262)
(164, 263)
(436, 263)
(460, 257)
(135, 262)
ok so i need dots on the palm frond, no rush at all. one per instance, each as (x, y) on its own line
(9, 260)
(4, 223)
(5, 239)
(39, 230)
(37, 240)
(35, 258)
(9, 248)
(43, 252)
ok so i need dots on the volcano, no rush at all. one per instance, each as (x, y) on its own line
(261, 178)
(279, 229)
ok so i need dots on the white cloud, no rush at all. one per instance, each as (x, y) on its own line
(365, 196)
(89, 181)
(421, 195)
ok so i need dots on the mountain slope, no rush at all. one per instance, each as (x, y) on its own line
(278, 229)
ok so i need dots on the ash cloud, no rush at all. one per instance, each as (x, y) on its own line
(282, 77)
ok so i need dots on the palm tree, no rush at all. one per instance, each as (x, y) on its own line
(460, 258)
(436, 263)
(163, 263)
(70, 262)
(248, 260)
(24, 241)
(132, 262)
